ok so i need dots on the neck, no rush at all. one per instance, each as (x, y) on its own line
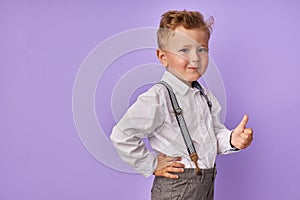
(188, 83)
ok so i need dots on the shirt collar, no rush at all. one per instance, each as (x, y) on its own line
(176, 84)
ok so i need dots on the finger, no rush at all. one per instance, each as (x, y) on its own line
(248, 131)
(177, 164)
(240, 145)
(242, 141)
(165, 173)
(244, 122)
(169, 175)
(170, 159)
(246, 136)
(174, 169)
(177, 158)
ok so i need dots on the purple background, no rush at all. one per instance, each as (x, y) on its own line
(255, 45)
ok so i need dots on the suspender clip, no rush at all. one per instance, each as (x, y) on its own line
(194, 158)
(178, 111)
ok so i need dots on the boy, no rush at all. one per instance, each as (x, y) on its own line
(183, 49)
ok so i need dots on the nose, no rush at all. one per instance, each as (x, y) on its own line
(194, 57)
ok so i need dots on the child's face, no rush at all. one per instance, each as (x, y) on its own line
(186, 54)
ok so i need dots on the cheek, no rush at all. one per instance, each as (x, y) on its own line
(183, 61)
(179, 61)
(204, 61)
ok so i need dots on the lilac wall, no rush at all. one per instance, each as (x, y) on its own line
(255, 45)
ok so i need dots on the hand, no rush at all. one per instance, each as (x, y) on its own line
(167, 164)
(242, 137)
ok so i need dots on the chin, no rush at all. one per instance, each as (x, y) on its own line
(195, 78)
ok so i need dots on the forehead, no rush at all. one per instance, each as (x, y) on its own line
(181, 36)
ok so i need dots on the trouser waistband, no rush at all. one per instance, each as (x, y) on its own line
(191, 173)
(189, 185)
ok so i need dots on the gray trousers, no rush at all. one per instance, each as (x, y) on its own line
(189, 186)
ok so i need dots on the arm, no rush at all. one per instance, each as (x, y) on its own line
(222, 134)
(142, 119)
(230, 141)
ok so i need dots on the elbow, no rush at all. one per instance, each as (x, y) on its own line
(113, 136)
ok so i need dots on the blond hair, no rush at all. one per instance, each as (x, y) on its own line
(188, 19)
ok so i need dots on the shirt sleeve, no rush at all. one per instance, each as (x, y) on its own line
(221, 132)
(142, 119)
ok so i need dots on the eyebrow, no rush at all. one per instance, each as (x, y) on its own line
(188, 45)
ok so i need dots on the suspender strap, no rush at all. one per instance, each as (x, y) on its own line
(183, 128)
(197, 85)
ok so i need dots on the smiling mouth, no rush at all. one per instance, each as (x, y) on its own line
(195, 68)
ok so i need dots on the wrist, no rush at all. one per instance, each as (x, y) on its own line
(232, 146)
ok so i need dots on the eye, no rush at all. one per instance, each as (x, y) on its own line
(203, 50)
(184, 50)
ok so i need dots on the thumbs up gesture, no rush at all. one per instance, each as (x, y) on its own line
(242, 137)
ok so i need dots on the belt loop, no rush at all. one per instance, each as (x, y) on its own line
(215, 171)
(202, 175)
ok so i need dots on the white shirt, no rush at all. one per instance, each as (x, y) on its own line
(152, 116)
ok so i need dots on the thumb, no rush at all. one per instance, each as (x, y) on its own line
(244, 122)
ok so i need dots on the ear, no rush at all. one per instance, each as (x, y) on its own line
(162, 57)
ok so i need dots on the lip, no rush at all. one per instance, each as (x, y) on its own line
(193, 67)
